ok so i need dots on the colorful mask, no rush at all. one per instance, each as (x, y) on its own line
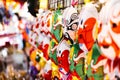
(87, 22)
(108, 38)
(70, 23)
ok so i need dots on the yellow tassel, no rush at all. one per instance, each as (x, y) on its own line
(71, 53)
(89, 57)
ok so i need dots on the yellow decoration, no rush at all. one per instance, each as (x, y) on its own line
(71, 52)
(95, 31)
(89, 57)
(42, 62)
(61, 32)
(86, 1)
(69, 42)
(107, 77)
(43, 4)
(55, 71)
(74, 78)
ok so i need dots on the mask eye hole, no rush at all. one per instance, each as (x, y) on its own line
(115, 27)
(37, 58)
(81, 22)
(100, 27)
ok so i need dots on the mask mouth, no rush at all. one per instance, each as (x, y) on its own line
(69, 27)
(103, 42)
(105, 46)
(67, 36)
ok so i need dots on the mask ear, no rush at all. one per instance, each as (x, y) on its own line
(89, 23)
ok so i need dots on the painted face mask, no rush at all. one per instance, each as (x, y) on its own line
(87, 23)
(108, 38)
(70, 23)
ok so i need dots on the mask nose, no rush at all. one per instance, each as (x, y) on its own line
(104, 35)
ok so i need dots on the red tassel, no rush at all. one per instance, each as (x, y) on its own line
(74, 2)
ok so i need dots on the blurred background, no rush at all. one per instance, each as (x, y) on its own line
(14, 30)
(16, 18)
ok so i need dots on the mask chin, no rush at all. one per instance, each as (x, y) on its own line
(108, 50)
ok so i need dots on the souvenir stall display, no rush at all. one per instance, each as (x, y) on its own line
(77, 43)
(66, 42)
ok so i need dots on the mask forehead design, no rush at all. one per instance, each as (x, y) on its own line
(67, 15)
(87, 11)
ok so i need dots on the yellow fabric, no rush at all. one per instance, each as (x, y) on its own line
(95, 31)
(71, 53)
(74, 78)
(89, 57)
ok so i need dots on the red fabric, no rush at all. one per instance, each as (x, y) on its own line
(85, 35)
(63, 60)
(44, 50)
(48, 75)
